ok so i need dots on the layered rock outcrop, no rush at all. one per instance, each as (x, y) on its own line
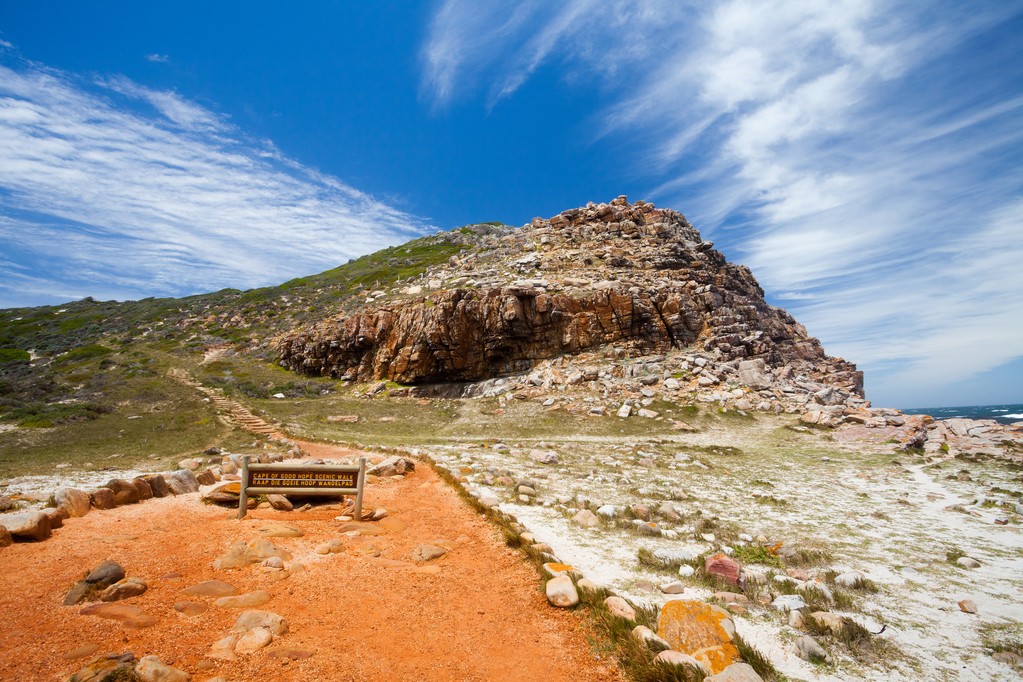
(631, 276)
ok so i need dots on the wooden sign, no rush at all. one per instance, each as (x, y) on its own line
(301, 479)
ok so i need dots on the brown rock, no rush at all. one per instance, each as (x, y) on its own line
(428, 552)
(968, 606)
(253, 640)
(181, 482)
(56, 515)
(143, 488)
(124, 491)
(190, 608)
(123, 589)
(129, 616)
(75, 502)
(106, 668)
(256, 619)
(211, 588)
(81, 652)
(158, 485)
(31, 526)
(244, 601)
(279, 530)
(280, 503)
(102, 498)
(252, 552)
(5, 537)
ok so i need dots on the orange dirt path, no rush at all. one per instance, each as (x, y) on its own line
(476, 613)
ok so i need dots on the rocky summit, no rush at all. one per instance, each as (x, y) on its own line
(605, 281)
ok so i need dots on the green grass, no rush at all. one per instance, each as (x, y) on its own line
(12, 355)
(755, 554)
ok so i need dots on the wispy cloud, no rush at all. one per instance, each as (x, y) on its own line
(158, 58)
(861, 157)
(112, 189)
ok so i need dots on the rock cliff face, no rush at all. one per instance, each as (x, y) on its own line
(634, 278)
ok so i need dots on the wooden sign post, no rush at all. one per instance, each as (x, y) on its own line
(302, 479)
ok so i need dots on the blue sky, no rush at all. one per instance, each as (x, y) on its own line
(863, 158)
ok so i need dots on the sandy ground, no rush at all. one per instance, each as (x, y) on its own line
(476, 613)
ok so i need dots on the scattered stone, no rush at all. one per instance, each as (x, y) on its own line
(796, 619)
(586, 519)
(280, 530)
(620, 608)
(290, 654)
(968, 562)
(1008, 657)
(130, 616)
(686, 571)
(253, 640)
(81, 652)
(851, 579)
(333, 546)
(673, 588)
(73, 501)
(254, 551)
(808, 649)
(123, 589)
(362, 528)
(649, 638)
(967, 606)
(427, 552)
(190, 608)
(818, 587)
(561, 592)
(671, 657)
(108, 667)
(223, 649)
(280, 503)
(244, 601)
(724, 567)
(255, 619)
(737, 672)
(788, 602)
(211, 588)
(152, 669)
(832, 621)
(101, 577)
(56, 517)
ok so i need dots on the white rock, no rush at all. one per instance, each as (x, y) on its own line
(253, 640)
(788, 602)
(607, 511)
(152, 669)
(686, 571)
(561, 592)
(850, 578)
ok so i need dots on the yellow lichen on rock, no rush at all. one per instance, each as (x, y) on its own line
(701, 630)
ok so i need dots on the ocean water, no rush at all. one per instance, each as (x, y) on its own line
(1006, 414)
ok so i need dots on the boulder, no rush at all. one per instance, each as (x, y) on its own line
(206, 477)
(102, 498)
(144, 490)
(753, 373)
(124, 491)
(157, 484)
(72, 500)
(181, 482)
(671, 657)
(31, 526)
(808, 649)
(5, 537)
(56, 515)
(701, 630)
(426, 552)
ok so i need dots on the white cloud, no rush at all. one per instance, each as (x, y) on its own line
(158, 58)
(865, 170)
(117, 199)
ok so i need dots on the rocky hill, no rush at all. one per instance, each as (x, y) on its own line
(625, 280)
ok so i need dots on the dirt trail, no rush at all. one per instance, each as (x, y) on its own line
(476, 613)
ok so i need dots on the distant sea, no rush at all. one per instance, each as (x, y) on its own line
(1006, 414)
